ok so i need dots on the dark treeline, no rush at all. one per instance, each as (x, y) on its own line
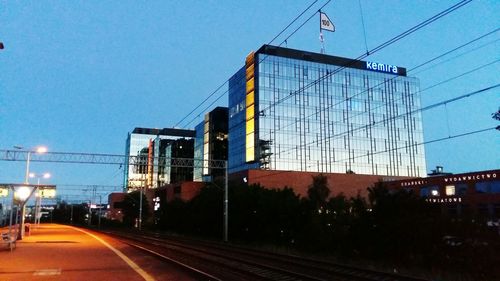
(396, 228)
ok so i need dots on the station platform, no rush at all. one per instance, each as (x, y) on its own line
(60, 252)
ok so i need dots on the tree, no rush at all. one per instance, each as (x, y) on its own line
(318, 191)
(62, 213)
(496, 116)
(131, 204)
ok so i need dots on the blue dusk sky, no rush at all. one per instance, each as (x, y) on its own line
(77, 76)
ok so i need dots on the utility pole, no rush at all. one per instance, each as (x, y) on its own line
(140, 208)
(99, 217)
(92, 199)
(226, 203)
(71, 218)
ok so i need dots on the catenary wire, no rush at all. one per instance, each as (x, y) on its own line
(421, 143)
(225, 82)
(396, 77)
(458, 56)
(277, 172)
(407, 113)
(376, 49)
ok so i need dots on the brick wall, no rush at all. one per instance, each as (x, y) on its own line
(348, 184)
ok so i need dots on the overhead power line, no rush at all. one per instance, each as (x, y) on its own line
(275, 173)
(471, 94)
(455, 49)
(226, 81)
(421, 143)
(396, 77)
(374, 50)
(458, 56)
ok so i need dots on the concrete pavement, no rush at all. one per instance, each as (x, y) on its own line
(59, 252)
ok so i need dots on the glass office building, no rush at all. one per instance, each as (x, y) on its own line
(300, 111)
(210, 144)
(149, 154)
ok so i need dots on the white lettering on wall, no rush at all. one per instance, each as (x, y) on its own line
(381, 67)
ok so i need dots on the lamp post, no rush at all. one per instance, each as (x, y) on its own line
(38, 202)
(39, 149)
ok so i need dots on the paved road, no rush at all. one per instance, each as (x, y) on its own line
(58, 252)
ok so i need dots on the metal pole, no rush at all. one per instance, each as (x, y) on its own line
(26, 179)
(11, 211)
(71, 219)
(90, 212)
(37, 206)
(140, 209)
(99, 218)
(23, 207)
(226, 202)
(16, 218)
(144, 183)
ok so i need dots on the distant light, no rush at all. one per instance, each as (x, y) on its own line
(41, 149)
(435, 193)
(47, 193)
(245, 179)
(23, 192)
(4, 192)
(44, 175)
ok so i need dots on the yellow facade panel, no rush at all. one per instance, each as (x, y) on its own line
(250, 126)
(250, 154)
(250, 59)
(250, 140)
(250, 72)
(250, 85)
(250, 112)
(250, 98)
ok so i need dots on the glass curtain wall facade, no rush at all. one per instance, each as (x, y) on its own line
(210, 144)
(317, 116)
(150, 150)
(137, 146)
(198, 152)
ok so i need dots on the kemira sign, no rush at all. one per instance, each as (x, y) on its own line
(381, 67)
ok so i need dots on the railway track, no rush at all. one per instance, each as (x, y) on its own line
(217, 261)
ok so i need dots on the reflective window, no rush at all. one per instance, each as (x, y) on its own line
(450, 190)
(429, 191)
(488, 187)
(461, 188)
(324, 118)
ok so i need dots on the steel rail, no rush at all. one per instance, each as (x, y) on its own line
(168, 259)
(267, 265)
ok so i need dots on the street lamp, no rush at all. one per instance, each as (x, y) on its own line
(39, 149)
(38, 202)
(23, 193)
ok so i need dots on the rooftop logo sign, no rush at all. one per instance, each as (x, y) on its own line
(381, 67)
